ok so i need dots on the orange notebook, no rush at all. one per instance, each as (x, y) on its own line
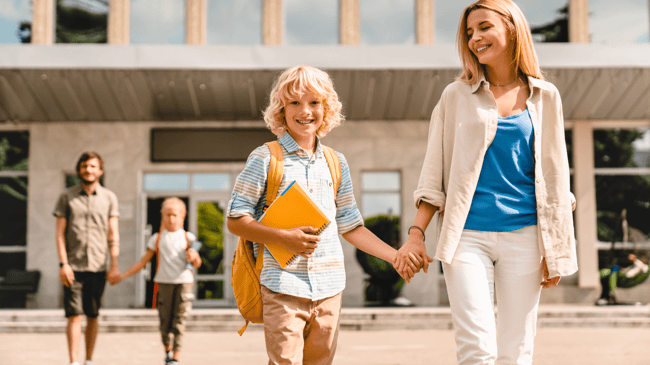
(293, 208)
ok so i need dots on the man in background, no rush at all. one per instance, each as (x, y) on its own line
(86, 232)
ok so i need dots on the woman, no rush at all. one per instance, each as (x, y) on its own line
(496, 169)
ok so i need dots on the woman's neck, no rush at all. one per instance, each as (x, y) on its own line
(500, 76)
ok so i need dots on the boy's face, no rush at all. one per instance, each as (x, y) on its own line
(304, 115)
(173, 217)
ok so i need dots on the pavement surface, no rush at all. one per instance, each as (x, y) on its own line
(553, 346)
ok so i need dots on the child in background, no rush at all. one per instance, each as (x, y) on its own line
(173, 276)
(302, 301)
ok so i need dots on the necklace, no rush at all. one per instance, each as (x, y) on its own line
(509, 83)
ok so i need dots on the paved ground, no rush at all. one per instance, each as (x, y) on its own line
(574, 346)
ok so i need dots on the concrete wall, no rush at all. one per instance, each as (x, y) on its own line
(55, 147)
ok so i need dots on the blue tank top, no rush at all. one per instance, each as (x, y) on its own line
(504, 199)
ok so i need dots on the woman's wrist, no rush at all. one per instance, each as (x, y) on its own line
(415, 228)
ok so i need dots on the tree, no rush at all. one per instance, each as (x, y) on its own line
(75, 23)
(556, 30)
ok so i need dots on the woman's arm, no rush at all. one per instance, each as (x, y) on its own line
(300, 241)
(415, 243)
(366, 241)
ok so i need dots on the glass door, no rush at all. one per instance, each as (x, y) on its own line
(212, 279)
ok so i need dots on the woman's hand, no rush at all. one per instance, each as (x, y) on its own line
(546, 281)
(412, 256)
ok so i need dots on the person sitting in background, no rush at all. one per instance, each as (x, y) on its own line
(628, 277)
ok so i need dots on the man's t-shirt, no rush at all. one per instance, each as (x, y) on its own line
(86, 234)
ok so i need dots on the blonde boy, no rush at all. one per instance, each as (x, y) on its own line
(302, 302)
(174, 278)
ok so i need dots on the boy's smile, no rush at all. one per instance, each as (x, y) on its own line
(304, 116)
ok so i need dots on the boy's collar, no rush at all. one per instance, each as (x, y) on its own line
(292, 146)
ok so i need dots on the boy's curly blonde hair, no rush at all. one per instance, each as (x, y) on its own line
(297, 81)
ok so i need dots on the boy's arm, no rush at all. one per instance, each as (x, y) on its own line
(366, 241)
(136, 267)
(192, 256)
(300, 241)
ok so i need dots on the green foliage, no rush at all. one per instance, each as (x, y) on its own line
(77, 25)
(14, 148)
(556, 30)
(384, 283)
(210, 232)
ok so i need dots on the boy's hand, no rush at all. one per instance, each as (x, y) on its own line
(192, 256)
(302, 241)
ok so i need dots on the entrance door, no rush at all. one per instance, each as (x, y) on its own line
(212, 282)
(206, 195)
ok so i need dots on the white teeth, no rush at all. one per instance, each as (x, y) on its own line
(482, 48)
(303, 121)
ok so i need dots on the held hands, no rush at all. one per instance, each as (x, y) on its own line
(114, 276)
(412, 256)
(302, 241)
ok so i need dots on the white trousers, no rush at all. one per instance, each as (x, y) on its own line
(485, 263)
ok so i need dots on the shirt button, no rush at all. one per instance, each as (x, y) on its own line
(311, 190)
(330, 184)
(544, 229)
(538, 180)
(539, 206)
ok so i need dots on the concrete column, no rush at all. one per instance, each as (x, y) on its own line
(424, 21)
(195, 22)
(272, 22)
(584, 188)
(349, 28)
(42, 21)
(579, 21)
(119, 13)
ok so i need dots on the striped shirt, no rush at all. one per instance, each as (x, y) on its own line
(323, 274)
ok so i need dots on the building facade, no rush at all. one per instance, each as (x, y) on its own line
(180, 120)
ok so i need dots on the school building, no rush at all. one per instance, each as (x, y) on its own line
(179, 116)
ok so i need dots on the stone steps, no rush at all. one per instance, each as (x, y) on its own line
(367, 319)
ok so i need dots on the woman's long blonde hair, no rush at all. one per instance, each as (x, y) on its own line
(294, 82)
(525, 58)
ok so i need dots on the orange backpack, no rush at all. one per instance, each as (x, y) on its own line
(246, 269)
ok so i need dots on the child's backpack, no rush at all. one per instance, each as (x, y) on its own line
(155, 285)
(246, 269)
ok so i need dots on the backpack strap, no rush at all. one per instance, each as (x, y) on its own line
(155, 285)
(334, 163)
(273, 182)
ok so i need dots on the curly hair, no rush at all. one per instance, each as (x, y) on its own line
(297, 81)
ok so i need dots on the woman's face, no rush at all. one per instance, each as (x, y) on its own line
(488, 38)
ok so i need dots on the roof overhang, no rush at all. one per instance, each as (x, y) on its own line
(168, 82)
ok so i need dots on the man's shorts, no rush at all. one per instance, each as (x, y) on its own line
(84, 296)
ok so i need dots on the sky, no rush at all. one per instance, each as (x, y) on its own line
(315, 21)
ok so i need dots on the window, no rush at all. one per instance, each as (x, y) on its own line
(616, 22)
(158, 21)
(82, 21)
(622, 168)
(381, 204)
(234, 22)
(14, 147)
(387, 21)
(15, 21)
(311, 21)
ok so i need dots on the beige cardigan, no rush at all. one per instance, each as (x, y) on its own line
(463, 125)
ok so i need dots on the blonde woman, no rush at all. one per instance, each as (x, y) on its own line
(496, 169)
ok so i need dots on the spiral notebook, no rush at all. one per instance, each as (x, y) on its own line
(293, 208)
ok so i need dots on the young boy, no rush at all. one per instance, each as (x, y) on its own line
(174, 278)
(302, 302)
